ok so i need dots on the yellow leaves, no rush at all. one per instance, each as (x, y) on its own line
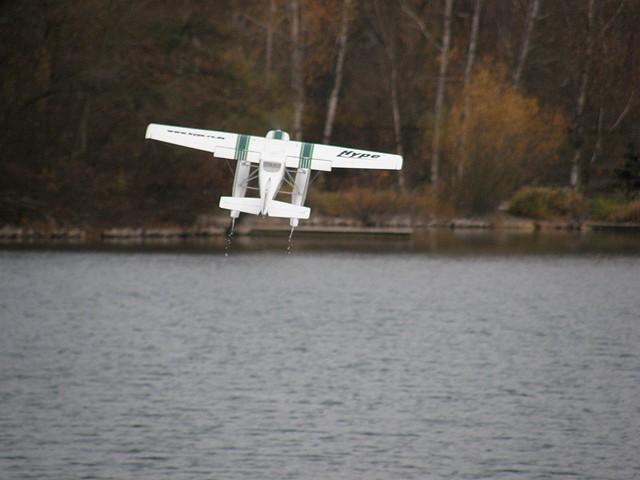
(498, 139)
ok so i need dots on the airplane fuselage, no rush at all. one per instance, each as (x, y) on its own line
(270, 177)
(272, 167)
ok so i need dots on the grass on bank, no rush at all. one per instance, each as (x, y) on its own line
(614, 210)
(375, 207)
(542, 203)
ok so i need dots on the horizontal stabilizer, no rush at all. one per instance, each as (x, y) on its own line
(242, 204)
(254, 206)
(287, 210)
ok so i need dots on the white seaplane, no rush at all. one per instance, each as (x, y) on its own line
(272, 160)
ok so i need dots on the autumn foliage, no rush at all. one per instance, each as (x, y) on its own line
(498, 140)
(529, 97)
(547, 204)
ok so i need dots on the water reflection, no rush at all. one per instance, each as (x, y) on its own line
(513, 243)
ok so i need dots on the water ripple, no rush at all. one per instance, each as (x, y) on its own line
(318, 366)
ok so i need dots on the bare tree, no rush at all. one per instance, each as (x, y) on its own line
(473, 41)
(443, 49)
(297, 76)
(576, 179)
(471, 56)
(337, 79)
(525, 45)
(270, 37)
(438, 108)
(387, 37)
(607, 56)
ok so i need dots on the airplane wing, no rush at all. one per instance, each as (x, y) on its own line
(326, 157)
(222, 144)
(235, 146)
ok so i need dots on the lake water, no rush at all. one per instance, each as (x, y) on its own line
(317, 365)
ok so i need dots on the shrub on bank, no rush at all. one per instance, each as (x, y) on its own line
(543, 203)
(628, 212)
(368, 206)
(383, 206)
(607, 209)
(602, 208)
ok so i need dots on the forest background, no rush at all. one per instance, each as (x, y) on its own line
(483, 98)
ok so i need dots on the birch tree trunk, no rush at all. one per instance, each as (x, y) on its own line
(80, 147)
(577, 175)
(381, 22)
(525, 46)
(268, 67)
(397, 123)
(442, 76)
(297, 77)
(473, 42)
(471, 56)
(337, 83)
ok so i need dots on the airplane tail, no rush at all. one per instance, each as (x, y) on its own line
(254, 206)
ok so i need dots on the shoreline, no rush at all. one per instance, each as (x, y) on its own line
(13, 234)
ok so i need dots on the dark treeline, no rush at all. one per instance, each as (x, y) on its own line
(482, 97)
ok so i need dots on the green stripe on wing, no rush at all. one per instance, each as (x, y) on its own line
(306, 154)
(242, 147)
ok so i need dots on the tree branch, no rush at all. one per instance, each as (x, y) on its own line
(624, 112)
(421, 25)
